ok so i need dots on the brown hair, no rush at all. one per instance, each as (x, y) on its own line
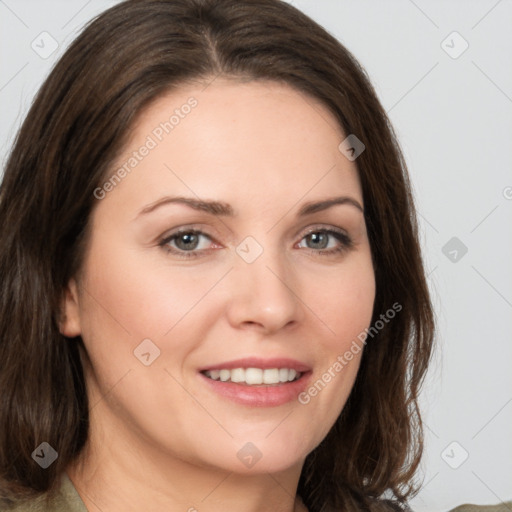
(76, 127)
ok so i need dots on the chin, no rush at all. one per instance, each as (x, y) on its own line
(260, 455)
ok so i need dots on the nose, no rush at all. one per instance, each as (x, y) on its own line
(264, 295)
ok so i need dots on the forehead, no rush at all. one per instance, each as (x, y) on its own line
(239, 141)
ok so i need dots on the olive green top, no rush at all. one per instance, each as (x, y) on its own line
(68, 500)
(502, 507)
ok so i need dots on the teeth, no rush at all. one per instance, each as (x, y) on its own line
(271, 376)
(254, 376)
(283, 374)
(237, 375)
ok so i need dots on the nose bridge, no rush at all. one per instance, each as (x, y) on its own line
(263, 285)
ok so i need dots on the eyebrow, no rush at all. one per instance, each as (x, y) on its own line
(226, 210)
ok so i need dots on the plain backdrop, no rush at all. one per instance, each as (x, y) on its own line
(443, 72)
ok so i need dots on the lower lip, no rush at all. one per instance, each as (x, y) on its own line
(260, 395)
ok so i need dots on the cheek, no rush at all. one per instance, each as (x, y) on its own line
(131, 298)
(124, 301)
(344, 299)
(346, 307)
(344, 302)
(132, 295)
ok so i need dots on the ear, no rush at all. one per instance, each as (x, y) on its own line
(69, 322)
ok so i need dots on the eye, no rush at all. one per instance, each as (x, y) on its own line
(326, 241)
(186, 242)
(191, 243)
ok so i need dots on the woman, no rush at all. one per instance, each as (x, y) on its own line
(213, 296)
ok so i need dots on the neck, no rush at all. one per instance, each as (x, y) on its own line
(128, 474)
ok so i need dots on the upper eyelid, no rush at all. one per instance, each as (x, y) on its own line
(325, 228)
(166, 238)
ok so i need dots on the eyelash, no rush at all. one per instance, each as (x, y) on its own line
(346, 243)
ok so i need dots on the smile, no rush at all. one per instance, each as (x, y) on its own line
(254, 376)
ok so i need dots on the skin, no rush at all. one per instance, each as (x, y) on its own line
(158, 434)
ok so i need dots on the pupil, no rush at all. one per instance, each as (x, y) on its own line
(320, 239)
(187, 241)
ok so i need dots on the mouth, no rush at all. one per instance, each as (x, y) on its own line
(254, 376)
(258, 382)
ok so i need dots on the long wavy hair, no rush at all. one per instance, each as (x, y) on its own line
(78, 124)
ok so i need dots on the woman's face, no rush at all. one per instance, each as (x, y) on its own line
(261, 276)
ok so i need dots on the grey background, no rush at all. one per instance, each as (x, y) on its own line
(453, 117)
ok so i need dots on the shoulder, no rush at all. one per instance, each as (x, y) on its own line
(66, 499)
(39, 504)
(502, 507)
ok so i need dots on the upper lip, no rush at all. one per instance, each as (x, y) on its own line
(258, 362)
